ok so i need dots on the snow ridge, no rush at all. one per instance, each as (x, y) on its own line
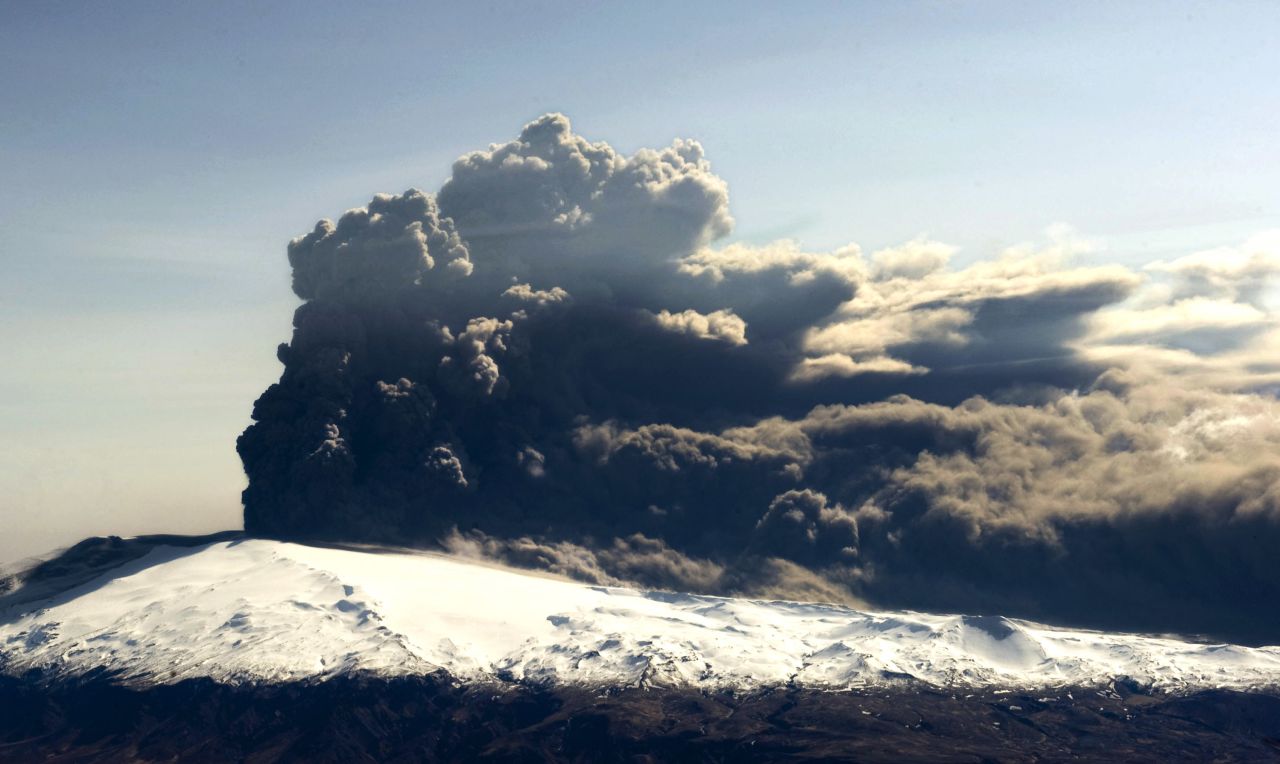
(266, 611)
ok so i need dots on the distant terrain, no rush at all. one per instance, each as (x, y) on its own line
(435, 718)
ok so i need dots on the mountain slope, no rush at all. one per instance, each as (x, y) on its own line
(251, 611)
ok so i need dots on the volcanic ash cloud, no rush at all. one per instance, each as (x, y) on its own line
(553, 361)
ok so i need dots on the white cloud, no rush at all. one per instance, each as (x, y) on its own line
(723, 325)
(841, 365)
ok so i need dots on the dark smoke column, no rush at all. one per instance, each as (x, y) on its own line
(358, 278)
(452, 349)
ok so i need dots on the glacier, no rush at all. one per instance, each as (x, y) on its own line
(257, 611)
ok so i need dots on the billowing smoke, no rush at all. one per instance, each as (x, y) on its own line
(552, 362)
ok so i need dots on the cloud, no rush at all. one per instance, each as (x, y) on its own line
(1193, 314)
(874, 334)
(1236, 273)
(555, 362)
(1011, 309)
(843, 365)
(1210, 317)
(471, 367)
(913, 260)
(784, 256)
(377, 249)
(803, 527)
(721, 325)
(537, 297)
(552, 205)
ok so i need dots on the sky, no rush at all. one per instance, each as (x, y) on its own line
(157, 158)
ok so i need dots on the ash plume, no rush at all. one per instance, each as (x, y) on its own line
(553, 361)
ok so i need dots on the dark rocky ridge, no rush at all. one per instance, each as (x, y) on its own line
(433, 718)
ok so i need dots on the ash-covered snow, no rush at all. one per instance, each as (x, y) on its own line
(256, 610)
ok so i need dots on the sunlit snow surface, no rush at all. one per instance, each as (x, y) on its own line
(257, 610)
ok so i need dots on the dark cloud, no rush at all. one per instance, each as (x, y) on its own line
(552, 363)
(801, 526)
(374, 251)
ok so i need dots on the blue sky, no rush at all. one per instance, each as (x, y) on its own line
(156, 159)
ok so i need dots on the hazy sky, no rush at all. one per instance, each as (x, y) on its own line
(156, 159)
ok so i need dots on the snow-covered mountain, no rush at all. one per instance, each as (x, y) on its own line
(250, 610)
